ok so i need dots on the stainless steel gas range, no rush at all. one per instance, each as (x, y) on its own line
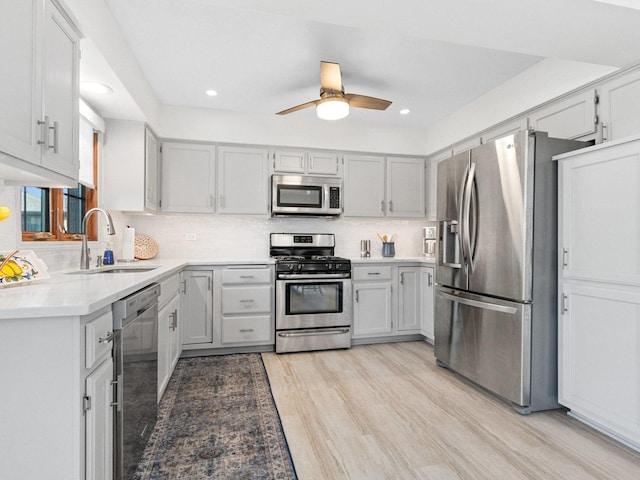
(313, 293)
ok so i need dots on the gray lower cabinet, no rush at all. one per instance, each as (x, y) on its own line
(197, 308)
(372, 301)
(228, 306)
(247, 306)
(409, 299)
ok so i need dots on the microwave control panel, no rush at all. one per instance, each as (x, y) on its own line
(334, 197)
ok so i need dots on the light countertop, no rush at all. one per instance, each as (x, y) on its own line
(75, 294)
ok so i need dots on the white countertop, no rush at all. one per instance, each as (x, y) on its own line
(75, 294)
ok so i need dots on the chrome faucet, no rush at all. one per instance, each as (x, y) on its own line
(84, 252)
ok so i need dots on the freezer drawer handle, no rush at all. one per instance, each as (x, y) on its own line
(340, 331)
(475, 303)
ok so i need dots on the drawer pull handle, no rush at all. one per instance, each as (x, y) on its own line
(373, 273)
(249, 300)
(246, 330)
(247, 276)
(110, 336)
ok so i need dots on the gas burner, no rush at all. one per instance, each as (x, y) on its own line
(288, 257)
(329, 258)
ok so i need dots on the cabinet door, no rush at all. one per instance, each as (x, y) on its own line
(165, 320)
(571, 117)
(175, 333)
(152, 171)
(323, 163)
(427, 312)
(61, 83)
(405, 187)
(99, 423)
(409, 299)
(502, 130)
(288, 161)
(371, 309)
(197, 307)
(598, 214)
(432, 176)
(364, 186)
(599, 357)
(243, 180)
(619, 104)
(21, 92)
(188, 178)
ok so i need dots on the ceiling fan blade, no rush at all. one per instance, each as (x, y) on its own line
(362, 101)
(330, 77)
(298, 107)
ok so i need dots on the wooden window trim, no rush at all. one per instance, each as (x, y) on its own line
(56, 204)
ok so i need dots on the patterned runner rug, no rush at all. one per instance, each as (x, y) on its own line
(217, 419)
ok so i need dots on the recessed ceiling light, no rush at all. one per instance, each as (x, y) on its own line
(405, 111)
(96, 87)
(211, 93)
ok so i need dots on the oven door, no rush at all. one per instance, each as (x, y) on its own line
(313, 302)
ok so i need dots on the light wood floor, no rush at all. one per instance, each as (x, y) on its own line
(388, 412)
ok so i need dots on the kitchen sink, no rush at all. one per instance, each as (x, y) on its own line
(118, 269)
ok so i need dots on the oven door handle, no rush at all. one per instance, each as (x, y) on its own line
(310, 333)
(311, 276)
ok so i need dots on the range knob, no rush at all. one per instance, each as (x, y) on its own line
(299, 266)
(291, 267)
(337, 266)
(329, 266)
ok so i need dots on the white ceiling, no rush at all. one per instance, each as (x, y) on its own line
(432, 57)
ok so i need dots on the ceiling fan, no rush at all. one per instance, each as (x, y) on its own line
(333, 103)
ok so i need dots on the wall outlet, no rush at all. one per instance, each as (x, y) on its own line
(190, 236)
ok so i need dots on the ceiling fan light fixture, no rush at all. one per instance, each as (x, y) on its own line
(332, 108)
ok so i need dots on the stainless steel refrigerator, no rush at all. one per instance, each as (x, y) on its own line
(496, 316)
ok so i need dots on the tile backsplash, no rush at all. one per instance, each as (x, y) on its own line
(223, 237)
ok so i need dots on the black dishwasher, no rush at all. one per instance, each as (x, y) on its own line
(136, 373)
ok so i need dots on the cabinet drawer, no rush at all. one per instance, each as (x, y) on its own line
(246, 275)
(246, 299)
(168, 288)
(95, 330)
(255, 329)
(380, 272)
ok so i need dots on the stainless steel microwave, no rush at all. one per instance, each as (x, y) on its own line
(306, 195)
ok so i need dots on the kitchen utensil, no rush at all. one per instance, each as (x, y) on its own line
(388, 249)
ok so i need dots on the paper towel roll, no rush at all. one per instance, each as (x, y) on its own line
(127, 243)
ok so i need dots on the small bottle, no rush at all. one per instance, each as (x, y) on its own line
(107, 259)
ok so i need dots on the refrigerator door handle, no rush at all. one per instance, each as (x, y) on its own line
(476, 303)
(462, 214)
(468, 232)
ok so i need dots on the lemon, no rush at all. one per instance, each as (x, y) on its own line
(4, 213)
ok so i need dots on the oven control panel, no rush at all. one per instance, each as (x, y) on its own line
(306, 239)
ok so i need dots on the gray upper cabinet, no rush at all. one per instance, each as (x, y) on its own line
(620, 106)
(405, 187)
(129, 172)
(188, 178)
(306, 162)
(364, 186)
(39, 124)
(243, 180)
(502, 130)
(570, 117)
(376, 186)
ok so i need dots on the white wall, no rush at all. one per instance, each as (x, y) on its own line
(261, 129)
(540, 83)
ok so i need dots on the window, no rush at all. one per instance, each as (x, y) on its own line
(57, 213)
